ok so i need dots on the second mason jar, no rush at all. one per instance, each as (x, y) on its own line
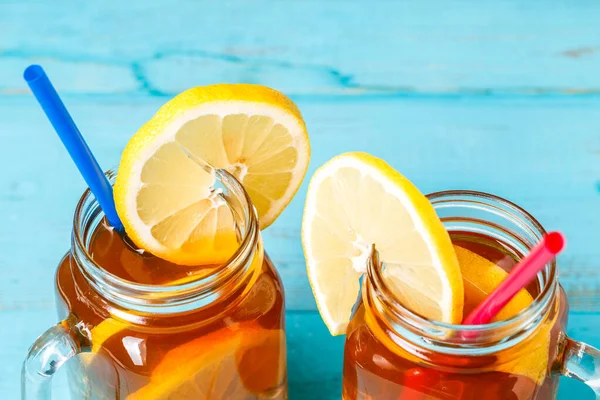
(392, 353)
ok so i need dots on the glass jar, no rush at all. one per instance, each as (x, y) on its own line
(392, 353)
(218, 336)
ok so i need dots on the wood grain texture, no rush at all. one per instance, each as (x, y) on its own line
(502, 97)
(314, 357)
(306, 47)
(539, 153)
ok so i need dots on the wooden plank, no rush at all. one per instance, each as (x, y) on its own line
(501, 97)
(314, 357)
(315, 367)
(542, 154)
(306, 47)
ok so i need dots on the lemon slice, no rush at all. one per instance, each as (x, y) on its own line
(528, 358)
(356, 200)
(480, 278)
(104, 331)
(226, 364)
(163, 191)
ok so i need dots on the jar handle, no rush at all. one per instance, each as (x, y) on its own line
(47, 354)
(582, 362)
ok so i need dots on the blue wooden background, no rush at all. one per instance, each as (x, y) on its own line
(495, 96)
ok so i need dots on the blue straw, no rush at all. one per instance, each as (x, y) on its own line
(69, 134)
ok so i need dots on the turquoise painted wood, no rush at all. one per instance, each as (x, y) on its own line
(499, 96)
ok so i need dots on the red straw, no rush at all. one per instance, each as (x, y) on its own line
(517, 279)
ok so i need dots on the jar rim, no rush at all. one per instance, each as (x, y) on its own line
(133, 294)
(455, 337)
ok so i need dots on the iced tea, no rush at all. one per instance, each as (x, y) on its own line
(145, 328)
(376, 367)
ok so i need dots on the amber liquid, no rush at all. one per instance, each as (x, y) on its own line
(376, 371)
(250, 367)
